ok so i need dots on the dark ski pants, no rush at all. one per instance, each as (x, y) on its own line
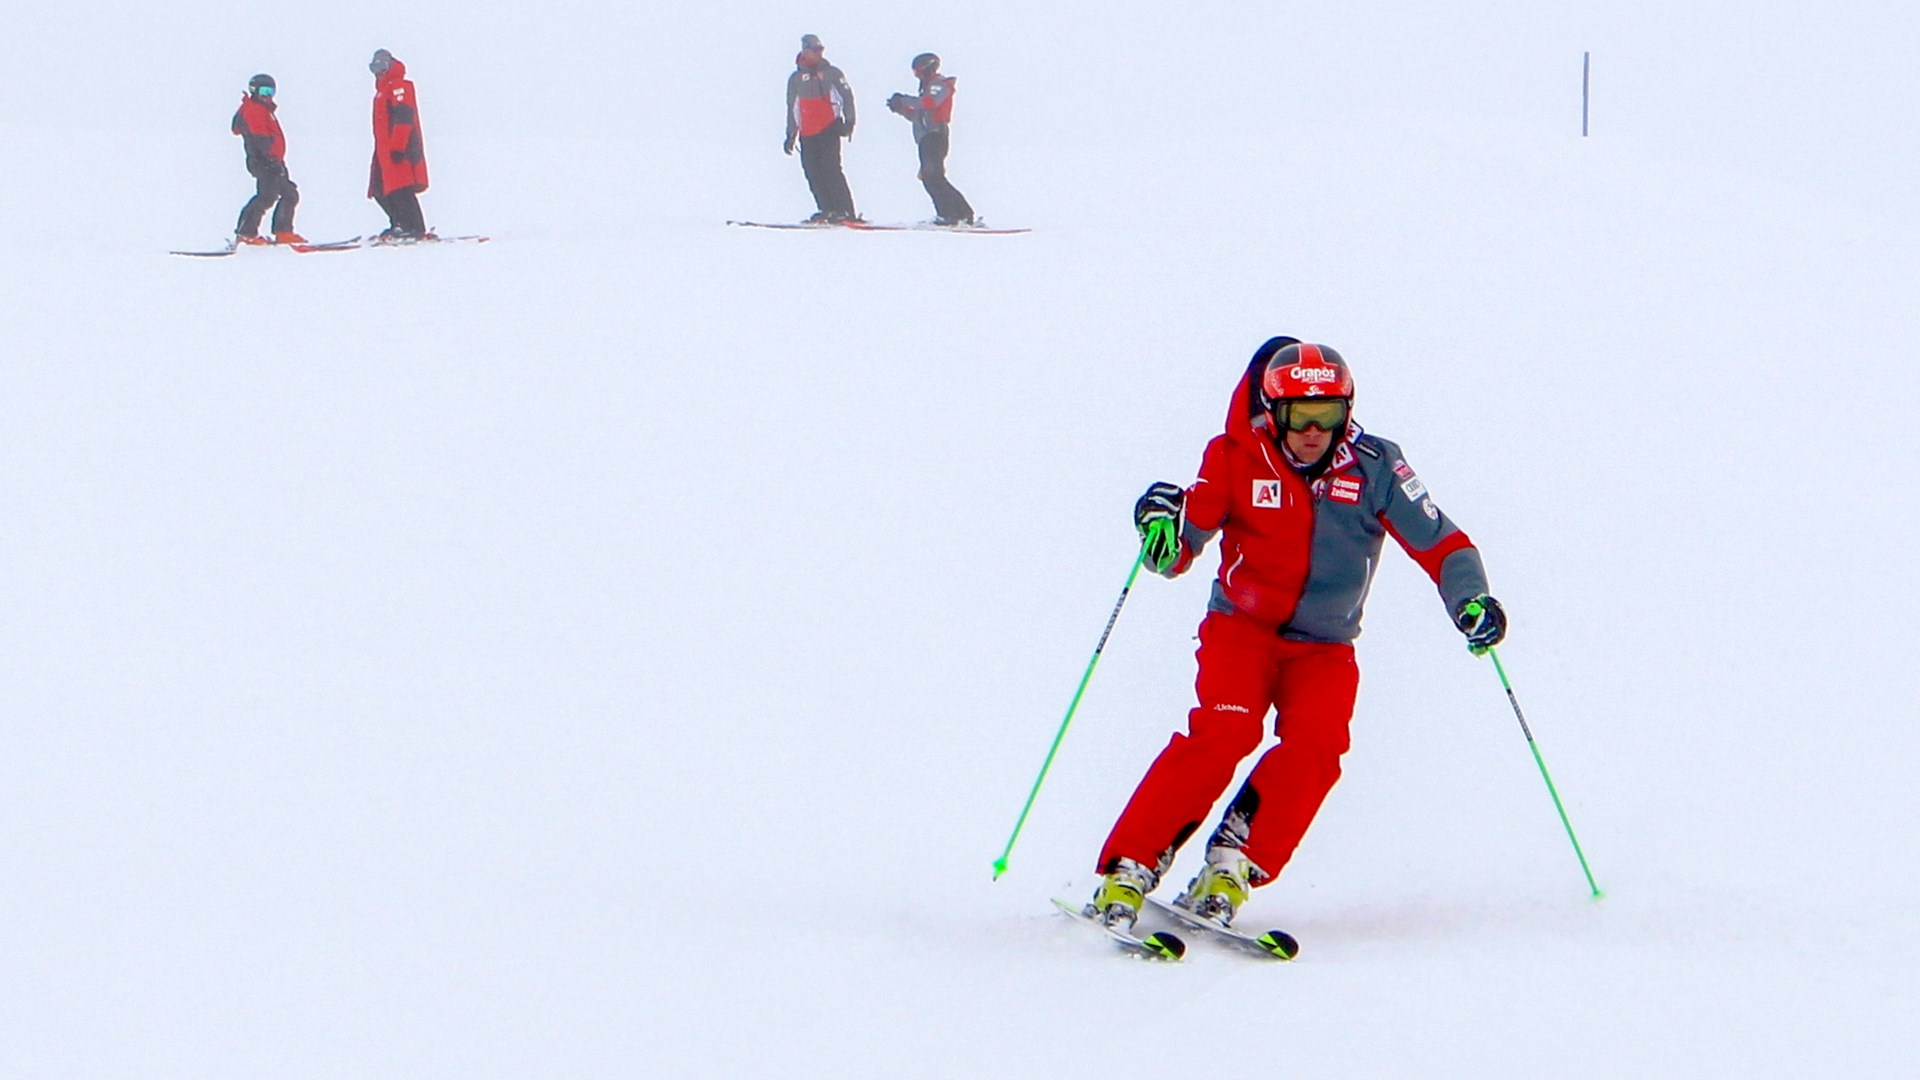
(820, 160)
(270, 190)
(404, 216)
(948, 203)
(1245, 669)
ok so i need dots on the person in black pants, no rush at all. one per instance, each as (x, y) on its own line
(932, 116)
(266, 148)
(819, 114)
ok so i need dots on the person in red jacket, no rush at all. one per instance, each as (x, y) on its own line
(266, 147)
(932, 116)
(819, 114)
(1302, 501)
(399, 172)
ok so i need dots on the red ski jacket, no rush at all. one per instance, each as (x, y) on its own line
(817, 96)
(399, 154)
(1298, 554)
(936, 100)
(260, 130)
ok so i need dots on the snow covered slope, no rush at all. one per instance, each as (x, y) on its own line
(621, 649)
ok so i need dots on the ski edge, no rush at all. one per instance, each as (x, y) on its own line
(1163, 947)
(1271, 945)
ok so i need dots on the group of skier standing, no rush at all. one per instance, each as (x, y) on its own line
(820, 113)
(1299, 495)
(395, 179)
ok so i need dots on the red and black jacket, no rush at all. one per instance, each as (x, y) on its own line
(260, 130)
(399, 152)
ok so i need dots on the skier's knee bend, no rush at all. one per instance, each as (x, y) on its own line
(1225, 729)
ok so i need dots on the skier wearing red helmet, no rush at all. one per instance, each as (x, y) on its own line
(1302, 500)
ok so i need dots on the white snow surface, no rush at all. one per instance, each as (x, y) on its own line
(621, 649)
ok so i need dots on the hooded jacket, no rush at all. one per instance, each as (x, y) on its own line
(933, 110)
(399, 152)
(1298, 554)
(817, 95)
(259, 129)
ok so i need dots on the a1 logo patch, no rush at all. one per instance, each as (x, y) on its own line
(1268, 494)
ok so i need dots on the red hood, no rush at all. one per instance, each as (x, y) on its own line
(1247, 422)
(396, 73)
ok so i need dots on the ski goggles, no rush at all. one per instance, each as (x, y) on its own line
(263, 91)
(1329, 414)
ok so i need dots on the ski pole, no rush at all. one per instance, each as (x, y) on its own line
(1000, 864)
(1473, 608)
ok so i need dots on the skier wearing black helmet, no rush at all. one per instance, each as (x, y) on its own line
(266, 146)
(932, 115)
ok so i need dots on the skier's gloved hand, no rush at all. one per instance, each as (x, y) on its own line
(1483, 621)
(898, 103)
(1157, 517)
(788, 148)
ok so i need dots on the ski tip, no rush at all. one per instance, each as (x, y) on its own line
(1280, 943)
(1165, 945)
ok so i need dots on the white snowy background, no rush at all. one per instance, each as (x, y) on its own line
(620, 650)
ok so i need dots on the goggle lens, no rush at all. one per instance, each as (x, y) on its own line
(1300, 415)
(263, 91)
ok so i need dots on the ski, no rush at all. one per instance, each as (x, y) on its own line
(928, 226)
(789, 224)
(430, 238)
(326, 245)
(1157, 946)
(1272, 945)
(234, 248)
(221, 253)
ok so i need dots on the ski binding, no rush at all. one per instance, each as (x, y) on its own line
(1272, 945)
(1156, 946)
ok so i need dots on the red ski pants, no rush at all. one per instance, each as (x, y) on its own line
(1244, 670)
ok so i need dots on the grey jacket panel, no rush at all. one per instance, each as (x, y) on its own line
(1354, 510)
(827, 82)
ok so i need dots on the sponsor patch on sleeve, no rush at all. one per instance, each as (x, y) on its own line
(1427, 508)
(1344, 489)
(1413, 487)
(1402, 470)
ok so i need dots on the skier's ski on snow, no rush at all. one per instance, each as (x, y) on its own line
(789, 224)
(329, 245)
(430, 238)
(928, 226)
(866, 226)
(234, 247)
(1272, 945)
(1158, 946)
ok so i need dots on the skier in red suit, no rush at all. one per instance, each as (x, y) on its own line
(1302, 501)
(399, 172)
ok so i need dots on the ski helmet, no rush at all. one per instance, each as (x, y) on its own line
(1301, 370)
(1304, 373)
(261, 85)
(381, 63)
(925, 63)
(811, 41)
